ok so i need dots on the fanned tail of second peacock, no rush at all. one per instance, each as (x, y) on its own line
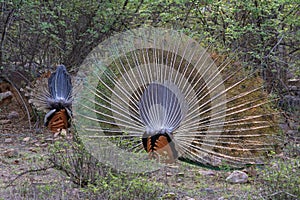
(158, 92)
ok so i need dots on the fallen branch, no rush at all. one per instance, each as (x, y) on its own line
(28, 171)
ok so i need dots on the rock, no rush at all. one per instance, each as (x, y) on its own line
(180, 174)
(63, 132)
(10, 153)
(280, 155)
(13, 115)
(293, 88)
(37, 144)
(5, 121)
(16, 162)
(8, 141)
(169, 196)
(188, 198)
(33, 141)
(169, 174)
(284, 126)
(173, 166)
(32, 150)
(179, 180)
(294, 82)
(207, 172)
(44, 145)
(208, 190)
(251, 171)
(237, 177)
(39, 131)
(26, 139)
(56, 134)
(75, 192)
(5, 95)
(290, 132)
(49, 140)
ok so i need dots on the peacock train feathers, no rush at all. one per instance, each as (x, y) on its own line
(158, 91)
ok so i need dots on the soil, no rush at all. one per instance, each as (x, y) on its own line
(25, 172)
(23, 148)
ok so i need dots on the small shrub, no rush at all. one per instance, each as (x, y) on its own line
(97, 180)
(280, 179)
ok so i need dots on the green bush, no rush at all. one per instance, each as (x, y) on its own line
(280, 179)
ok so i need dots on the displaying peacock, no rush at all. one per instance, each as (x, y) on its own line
(53, 94)
(158, 91)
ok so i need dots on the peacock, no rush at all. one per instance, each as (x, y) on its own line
(53, 94)
(158, 91)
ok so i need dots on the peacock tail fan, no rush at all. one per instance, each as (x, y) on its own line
(152, 83)
(38, 93)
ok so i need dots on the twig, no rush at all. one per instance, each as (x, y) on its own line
(20, 74)
(28, 171)
(290, 194)
(279, 41)
(282, 192)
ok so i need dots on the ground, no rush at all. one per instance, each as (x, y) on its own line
(26, 172)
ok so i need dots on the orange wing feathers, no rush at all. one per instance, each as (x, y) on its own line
(59, 121)
(161, 148)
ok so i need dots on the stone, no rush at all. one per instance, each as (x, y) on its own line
(207, 190)
(188, 198)
(8, 140)
(180, 174)
(13, 115)
(207, 172)
(169, 174)
(32, 150)
(293, 88)
(179, 180)
(44, 145)
(5, 121)
(169, 196)
(5, 95)
(10, 153)
(237, 177)
(26, 139)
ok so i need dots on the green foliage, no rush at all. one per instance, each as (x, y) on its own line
(51, 32)
(264, 32)
(97, 180)
(281, 179)
(124, 186)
